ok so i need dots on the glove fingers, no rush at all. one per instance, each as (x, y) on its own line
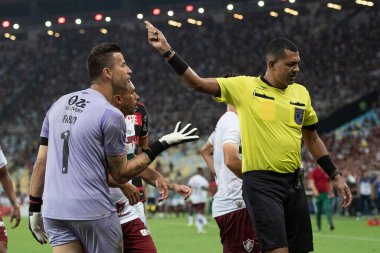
(190, 138)
(178, 126)
(183, 130)
(191, 132)
(44, 237)
(36, 230)
(40, 237)
(35, 235)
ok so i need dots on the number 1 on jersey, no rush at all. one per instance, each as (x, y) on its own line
(65, 158)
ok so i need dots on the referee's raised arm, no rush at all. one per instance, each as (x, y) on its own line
(205, 85)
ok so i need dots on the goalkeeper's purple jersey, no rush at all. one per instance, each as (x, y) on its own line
(82, 128)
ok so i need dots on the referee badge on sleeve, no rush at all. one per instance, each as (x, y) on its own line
(298, 115)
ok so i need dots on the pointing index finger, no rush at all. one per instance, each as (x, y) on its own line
(148, 24)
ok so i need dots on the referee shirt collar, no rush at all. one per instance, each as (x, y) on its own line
(268, 83)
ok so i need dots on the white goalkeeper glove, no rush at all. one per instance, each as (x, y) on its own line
(36, 225)
(179, 135)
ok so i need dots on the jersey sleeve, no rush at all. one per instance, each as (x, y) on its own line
(211, 139)
(45, 127)
(231, 131)
(114, 131)
(205, 183)
(3, 160)
(190, 183)
(231, 89)
(310, 115)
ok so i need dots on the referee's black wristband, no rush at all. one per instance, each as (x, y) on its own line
(35, 204)
(328, 166)
(178, 64)
(168, 53)
(154, 150)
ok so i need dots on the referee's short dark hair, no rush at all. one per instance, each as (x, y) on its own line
(101, 57)
(276, 48)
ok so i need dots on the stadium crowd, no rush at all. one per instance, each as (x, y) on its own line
(339, 51)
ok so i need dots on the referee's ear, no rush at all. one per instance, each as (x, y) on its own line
(270, 63)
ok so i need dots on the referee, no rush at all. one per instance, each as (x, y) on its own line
(275, 115)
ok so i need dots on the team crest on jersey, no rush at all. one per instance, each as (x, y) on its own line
(239, 203)
(298, 115)
(248, 245)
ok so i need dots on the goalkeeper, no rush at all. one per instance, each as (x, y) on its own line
(82, 136)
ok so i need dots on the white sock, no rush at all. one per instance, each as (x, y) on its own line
(199, 223)
(204, 220)
(191, 219)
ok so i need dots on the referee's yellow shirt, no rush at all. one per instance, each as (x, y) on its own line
(271, 121)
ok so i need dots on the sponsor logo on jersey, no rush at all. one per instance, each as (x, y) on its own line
(136, 119)
(144, 232)
(248, 245)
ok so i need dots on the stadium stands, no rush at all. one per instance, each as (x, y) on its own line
(340, 62)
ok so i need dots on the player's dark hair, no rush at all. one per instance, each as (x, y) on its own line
(276, 48)
(101, 57)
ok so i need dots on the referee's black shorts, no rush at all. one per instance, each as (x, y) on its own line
(279, 212)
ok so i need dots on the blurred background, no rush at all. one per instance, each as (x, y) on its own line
(44, 45)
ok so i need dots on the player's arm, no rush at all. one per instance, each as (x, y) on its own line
(112, 183)
(36, 190)
(37, 180)
(232, 159)
(149, 175)
(207, 153)
(331, 190)
(313, 187)
(6, 182)
(318, 150)
(123, 170)
(183, 190)
(156, 179)
(158, 41)
(129, 190)
(144, 143)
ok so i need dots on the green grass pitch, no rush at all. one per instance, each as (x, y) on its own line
(171, 235)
